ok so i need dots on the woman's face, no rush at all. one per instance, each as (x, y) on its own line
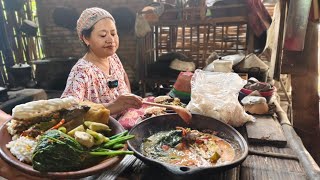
(104, 40)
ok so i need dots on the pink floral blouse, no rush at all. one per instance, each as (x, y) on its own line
(87, 82)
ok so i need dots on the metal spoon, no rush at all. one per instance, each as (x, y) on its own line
(182, 112)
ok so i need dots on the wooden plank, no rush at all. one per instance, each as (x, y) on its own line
(304, 72)
(266, 131)
(112, 173)
(297, 22)
(261, 167)
(315, 9)
(276, 57)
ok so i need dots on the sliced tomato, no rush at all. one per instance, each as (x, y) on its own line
(165, 147)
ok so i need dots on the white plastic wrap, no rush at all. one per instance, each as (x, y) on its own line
(142, 26)
(215, 94)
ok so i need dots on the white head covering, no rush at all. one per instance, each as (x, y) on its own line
(90, 17)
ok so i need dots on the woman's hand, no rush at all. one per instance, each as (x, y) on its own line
(124, 102)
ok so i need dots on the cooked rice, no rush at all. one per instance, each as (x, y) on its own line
(23, 148)
(155, 110)
(10, 127)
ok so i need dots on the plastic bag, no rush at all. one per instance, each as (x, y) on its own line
(142, 26)
(215, 94)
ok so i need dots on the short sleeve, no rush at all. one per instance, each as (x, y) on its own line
(76, 84)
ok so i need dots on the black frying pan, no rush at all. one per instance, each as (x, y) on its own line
(169, 122)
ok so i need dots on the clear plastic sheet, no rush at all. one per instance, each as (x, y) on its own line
(215, 94)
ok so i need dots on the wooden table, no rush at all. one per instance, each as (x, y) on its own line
(289, 161)
(265, 161)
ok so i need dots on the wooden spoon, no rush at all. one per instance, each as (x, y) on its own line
(182, 112)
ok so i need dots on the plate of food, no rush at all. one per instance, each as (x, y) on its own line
(62, 138)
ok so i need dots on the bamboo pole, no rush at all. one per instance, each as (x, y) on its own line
(6, 50)
(31, 41)
(16, 38)
(310, 166)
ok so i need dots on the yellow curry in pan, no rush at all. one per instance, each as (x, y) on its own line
(186, 147)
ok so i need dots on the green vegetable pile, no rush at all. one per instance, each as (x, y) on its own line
(57, 152)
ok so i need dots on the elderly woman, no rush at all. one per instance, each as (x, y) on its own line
(99, 75)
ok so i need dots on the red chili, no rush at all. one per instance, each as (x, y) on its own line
(165, 147)
(184, 131)
(59, 124)
(199, 141)
(180, 146)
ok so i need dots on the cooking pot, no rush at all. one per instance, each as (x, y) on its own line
(30, 28)
(168, 122)
(52, 72)
(20, 75)
(3, 94)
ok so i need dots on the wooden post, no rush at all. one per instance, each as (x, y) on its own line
(250, 44)
(276, 58)
(303, 66)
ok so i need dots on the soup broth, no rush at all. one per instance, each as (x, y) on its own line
(186, 147)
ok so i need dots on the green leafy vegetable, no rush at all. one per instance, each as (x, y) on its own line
(171, 139)
(158, 144)
(58, 152)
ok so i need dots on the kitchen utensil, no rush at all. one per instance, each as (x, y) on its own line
(168, 122)
(182, 112)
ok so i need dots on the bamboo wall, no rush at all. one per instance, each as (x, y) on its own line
(17, 47)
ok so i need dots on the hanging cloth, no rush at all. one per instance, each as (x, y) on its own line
(258, 17)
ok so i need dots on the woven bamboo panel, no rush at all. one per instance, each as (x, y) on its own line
(199, 41)
(195, 31)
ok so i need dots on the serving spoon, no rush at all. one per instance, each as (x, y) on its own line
(182, 112)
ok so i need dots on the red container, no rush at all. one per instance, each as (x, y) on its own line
(264, 94)
(267, 94)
